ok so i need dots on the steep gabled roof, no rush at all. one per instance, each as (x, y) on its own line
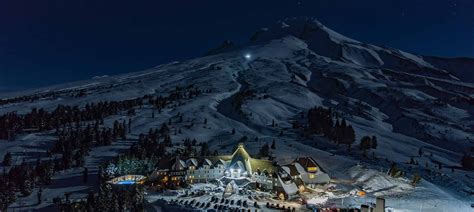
(192, 162)
(262, 165)
(205, 162)
(241, 155)
(291, 169)
(178, 164)
(306, 162)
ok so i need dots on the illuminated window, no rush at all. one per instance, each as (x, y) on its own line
(312, 169)
(281, 196)
(301, 188)
(312, 176)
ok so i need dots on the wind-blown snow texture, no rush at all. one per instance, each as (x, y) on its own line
(408, 101)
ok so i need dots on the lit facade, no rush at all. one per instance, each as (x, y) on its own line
(262, 174)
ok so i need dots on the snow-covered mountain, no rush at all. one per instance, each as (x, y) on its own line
(408, 101)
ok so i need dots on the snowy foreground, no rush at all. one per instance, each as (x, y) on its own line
(404, 100)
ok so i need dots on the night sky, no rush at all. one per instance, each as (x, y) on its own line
(45, 42)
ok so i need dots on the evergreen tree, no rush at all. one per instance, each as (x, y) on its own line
(233, 131)
(90, 202)
(416, 179)
(394, 171)
(374, 142)
(365, 143)
(7, 159)
(349, 135)
(7, 195)
(26, 187)
(40, 195)
(164, 129)
(85, 175)
(265, 151)
(273, 144)
(204, 149)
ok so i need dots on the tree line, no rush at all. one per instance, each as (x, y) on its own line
(321, 121)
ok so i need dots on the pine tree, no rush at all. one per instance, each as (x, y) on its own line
(204, 149)
(265, 151)
(365, 143)
(7, 195)
(273, 144)
(394, 171)
(420, 152)
(85, 175)
(374, 142)
(90, 202)
(416, 179)
(7, 159)
(26, 187)
(233, 131)
(164, 129)
(39, 195)
(349, 135)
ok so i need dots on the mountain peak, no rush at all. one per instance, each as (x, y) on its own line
(300, 27)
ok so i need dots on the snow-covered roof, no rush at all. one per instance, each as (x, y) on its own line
(238, 165)
(240, 154)
(178, 165)
(205, 162)
(318, 178)
(191, 162)
(289, 188)
(300, 168)
(219, 162)
(286, 168)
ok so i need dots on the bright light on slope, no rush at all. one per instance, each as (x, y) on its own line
(247, 56)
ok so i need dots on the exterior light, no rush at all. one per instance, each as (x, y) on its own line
(248, 56)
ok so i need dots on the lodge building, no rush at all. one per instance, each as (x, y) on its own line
(286, 181)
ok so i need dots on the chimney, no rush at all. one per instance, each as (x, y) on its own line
(379, 205)
(365, 208)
